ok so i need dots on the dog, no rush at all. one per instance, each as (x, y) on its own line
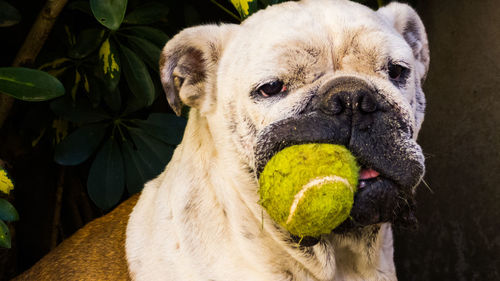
(314, 71)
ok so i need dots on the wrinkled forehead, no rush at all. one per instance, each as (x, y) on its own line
(316, 32)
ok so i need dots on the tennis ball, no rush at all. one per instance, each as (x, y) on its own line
(309, 188)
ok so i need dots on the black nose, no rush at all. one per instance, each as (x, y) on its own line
(347, 93)
(349, 96)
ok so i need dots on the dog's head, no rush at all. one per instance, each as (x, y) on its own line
(314, 71)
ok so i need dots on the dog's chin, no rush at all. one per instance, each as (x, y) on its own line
(379, 200)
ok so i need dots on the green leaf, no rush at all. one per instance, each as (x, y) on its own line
(109, 64)
(106, 181)
(166, 127)
(154, 150)
(6, 184)
(80, 111)
(5, 240)
(147, 14)
(156, 36)
(95, 89)
(80, 145)
(145, 159)
(29, 84)
(138, 77)
(136, 171)
(82, 6)
(7, 211)
(113, 100)
(147, 50)
(8, 15)
(76, 83)
(133, 104)
(245, 7)
(55, 64)
(88, 41)
(70, 36)
(109, 13)
(138, 168)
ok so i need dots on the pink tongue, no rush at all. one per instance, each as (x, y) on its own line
(366, 174)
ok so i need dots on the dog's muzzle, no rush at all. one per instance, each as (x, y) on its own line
(350, 112)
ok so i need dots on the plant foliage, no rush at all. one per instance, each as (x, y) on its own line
(8, 15)
(29, 84)
(108, 68)
(111, 73)
(7, 212)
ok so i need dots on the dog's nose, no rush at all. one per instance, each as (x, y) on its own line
(347, 95)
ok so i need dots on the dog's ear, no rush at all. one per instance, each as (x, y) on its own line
(407, 22)
(188, 65)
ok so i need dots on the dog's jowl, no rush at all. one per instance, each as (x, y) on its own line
(314, 71)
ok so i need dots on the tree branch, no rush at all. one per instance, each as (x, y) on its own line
(32, 45)
(56, 219)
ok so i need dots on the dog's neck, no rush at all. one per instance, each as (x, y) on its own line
(212, 215)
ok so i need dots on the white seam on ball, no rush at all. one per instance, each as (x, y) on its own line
(309, 185)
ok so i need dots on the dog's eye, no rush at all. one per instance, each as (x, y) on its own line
(271, 88)
(397, 72)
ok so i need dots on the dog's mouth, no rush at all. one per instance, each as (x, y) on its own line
(366, 177)
(391, 164)
(378, 199)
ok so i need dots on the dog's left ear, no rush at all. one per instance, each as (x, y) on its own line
(188, 65)
(407, 22)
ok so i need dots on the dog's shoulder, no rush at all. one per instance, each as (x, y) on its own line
(95, 252)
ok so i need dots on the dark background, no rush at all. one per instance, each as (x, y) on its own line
(459, 233)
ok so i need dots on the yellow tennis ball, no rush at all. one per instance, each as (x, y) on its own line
(309, 188)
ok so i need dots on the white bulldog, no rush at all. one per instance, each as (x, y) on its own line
(315, 71)
(335, 72)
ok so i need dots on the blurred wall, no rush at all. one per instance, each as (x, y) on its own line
(459, 234)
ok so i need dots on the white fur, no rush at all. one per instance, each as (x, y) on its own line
(200, 219)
